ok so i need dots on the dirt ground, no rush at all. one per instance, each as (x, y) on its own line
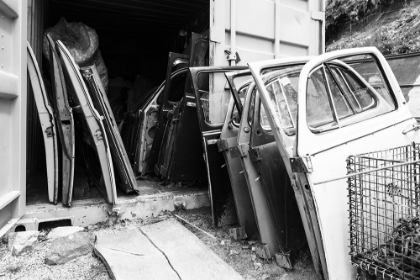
(238, 254)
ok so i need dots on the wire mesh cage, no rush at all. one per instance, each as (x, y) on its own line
(384, 212)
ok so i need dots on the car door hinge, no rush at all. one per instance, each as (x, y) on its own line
(301, 164)
(222, 145)
(243, 149)
(254, 154)
(49, 131)
(318, 15)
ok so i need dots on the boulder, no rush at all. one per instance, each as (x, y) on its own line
(63, 232)
(22, 242)
(64, 249)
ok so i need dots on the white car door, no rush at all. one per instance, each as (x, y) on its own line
(340, 114)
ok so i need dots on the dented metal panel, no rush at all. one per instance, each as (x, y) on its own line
(48, 126)
(65, 123)
(92, 126)
(127, 180)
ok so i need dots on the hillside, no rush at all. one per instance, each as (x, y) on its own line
(392, 26)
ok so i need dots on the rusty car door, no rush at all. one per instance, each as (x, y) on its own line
(94, 134)
(127, 181)
(275, 180)
(64, 121)
(181, 155)
(162, 111)
(212, 95)
(227, 144)
(47, 120)
(340, 113)
(265, 224)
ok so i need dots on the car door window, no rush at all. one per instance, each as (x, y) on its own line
(337, 96)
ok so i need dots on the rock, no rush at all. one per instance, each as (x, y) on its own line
(257, 265)
(63, 232)
(64, 249)
(22, 241)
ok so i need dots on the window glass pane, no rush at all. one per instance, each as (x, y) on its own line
(318, 108)
(369, 70)
(362, 93)
(277, 96)
(265, 124)
(345, 87)
(236, 118)
(214, 96)
(341, 105)
(251, 107)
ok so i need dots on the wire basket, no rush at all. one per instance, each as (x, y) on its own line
(384, 212)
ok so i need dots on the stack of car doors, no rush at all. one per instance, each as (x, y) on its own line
(177, 154)
(81, 114)
(142, 124)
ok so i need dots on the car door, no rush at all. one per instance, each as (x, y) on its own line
(180, 119)
(64, 122)
(212, 95)
(340, 113)
(266, 228)
(227, 144)
(48, 125)
(93, 134)
(165, 104)
(127, 181)
(13, 98)
(275, 179)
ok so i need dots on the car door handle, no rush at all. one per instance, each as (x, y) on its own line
(411, 127)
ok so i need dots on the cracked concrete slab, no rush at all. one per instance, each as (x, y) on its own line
(164, 250)
(128, 254)
(189, 256)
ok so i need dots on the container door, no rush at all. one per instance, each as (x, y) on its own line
(13, 59)
(255, 30)
(227, 145)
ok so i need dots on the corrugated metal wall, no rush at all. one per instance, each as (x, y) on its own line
(37, 11)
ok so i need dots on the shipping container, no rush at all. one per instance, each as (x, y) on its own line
(135, 39)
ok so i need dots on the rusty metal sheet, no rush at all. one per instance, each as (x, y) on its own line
(46, 117)
(92, 128)
(127, 180)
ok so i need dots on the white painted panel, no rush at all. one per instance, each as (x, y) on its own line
(265, 29)
(12, 109)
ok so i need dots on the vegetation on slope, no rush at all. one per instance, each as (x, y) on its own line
(392, 26)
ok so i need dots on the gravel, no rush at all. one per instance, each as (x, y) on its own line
(238, 254)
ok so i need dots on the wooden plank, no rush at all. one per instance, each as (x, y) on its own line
(189, 257)
(129, 254)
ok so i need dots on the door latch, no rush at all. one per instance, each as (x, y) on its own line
(301, 164)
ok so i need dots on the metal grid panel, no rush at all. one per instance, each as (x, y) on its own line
(384, 212)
